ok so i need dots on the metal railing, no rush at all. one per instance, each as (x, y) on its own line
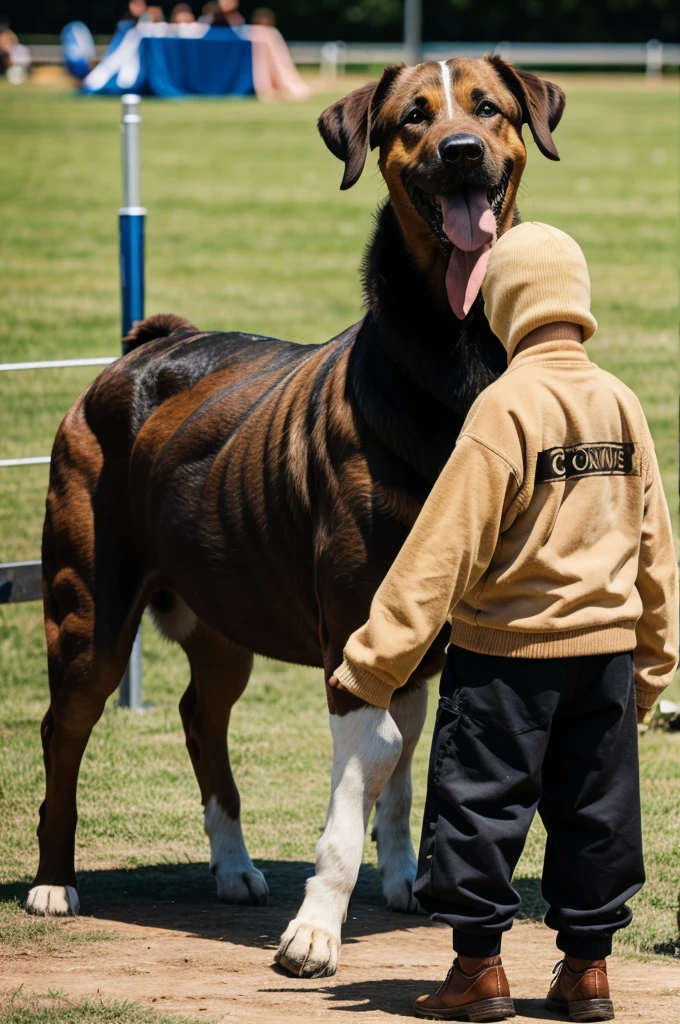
(49, 364)
(22, 581)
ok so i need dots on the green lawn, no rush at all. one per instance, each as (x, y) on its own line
(247, 230)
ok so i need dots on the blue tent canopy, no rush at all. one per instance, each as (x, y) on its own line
(168, 60)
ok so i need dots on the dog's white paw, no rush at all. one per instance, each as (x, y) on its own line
(53, 901)
(308, 951)
(246, 886)
(238, 880)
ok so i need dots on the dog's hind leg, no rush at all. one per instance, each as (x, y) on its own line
(391, 829)
(219, 674)
(92, 607)
(79, 694)
(366, 750)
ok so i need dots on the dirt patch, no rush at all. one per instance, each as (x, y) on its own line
(215, 963)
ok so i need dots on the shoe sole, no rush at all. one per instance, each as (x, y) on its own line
(483, 1010)
(584, 1009)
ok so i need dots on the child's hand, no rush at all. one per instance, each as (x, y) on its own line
(335, 683)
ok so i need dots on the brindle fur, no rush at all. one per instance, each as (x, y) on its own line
(267, 484)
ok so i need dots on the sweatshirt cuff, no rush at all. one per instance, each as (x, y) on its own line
(365, 685)
(645, 698)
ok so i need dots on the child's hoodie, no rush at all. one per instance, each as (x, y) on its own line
(547, 533)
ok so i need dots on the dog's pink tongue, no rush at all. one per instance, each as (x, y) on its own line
(471, 226)
(464, 278)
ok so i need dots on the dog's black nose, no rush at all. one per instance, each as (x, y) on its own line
(461, 150)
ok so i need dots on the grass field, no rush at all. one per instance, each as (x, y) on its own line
(247, 230)
(56, 1008)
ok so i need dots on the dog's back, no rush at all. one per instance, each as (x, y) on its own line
(192, 431)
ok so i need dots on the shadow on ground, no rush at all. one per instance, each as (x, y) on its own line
(391, 996)
(181, 897)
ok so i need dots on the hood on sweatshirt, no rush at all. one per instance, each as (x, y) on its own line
(536, 275)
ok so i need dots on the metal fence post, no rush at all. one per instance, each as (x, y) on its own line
(654, 52)
(131, 220)
(413, 30)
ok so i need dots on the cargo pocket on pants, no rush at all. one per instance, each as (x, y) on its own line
(448, 721)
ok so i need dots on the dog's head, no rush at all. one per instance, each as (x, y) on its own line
(451, 152)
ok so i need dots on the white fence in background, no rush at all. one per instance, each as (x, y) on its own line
(653, 56)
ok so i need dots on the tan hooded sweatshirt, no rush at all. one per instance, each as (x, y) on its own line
(547, 533)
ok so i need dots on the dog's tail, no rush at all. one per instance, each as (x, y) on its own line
(160, 325)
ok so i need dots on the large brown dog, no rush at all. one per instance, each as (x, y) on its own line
(254, 492)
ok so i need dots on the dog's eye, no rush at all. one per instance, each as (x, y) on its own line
(486, 109)
(415, 116)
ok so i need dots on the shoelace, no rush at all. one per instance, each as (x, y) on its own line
(446, 979)
(558, 968)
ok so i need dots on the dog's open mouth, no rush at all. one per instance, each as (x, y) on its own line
(464, 223)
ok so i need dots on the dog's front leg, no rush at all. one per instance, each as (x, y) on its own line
(392, 827)
(366, 748)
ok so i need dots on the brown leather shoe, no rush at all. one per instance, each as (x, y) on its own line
(483, 996)
(582, 994)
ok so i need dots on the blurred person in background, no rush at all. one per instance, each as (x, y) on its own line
(227, 14)
(274, 73)
(155, 15)
(15, 58)
(263, 16)
(7, 40)
(136, 11)
(208, 12)
(182, 15)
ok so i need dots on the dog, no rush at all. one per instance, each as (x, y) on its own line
(253, 492)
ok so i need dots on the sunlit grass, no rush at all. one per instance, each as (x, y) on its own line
(56, 1008)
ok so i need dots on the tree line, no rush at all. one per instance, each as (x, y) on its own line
(381, 20)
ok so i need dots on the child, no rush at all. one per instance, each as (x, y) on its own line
(548, 542)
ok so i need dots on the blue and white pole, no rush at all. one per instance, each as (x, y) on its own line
(131, 219)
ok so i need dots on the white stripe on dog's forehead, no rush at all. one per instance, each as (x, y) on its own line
(446, 78)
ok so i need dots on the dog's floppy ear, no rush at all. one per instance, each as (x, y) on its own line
(348, 126)
(542, 103)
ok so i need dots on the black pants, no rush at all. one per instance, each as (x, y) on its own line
(516, 735)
